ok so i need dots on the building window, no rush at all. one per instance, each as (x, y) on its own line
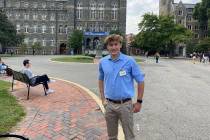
(17, 16)
(35, 28)
(205, 35)
(18, 28)
(189, 27)
(180, 22)
(61, 17)
(44, 28)
(52, 29)
(26, 28)
(60, 6)
(66, 29)
(101, 10)
(35, 16)
(79, 10)
(196, 36)
(205, 28)
(52, 43)
(17, 4)
(26, 16)
(35, 4)
(44, 16)
(43, 42)
(190, 10)
(34, 41)
(93, 12)
(196, 27)
(60, 30)
(52, 5)
(180, 13)
(114, 12)
(44, 5)
(26, 4)
(52, 17)
(26, 41)
(189, 18)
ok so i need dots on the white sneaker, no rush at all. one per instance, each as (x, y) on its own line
(51, 81)
(49, 91)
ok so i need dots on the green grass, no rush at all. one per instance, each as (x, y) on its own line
(77, 58)
(138, 60)
(10, 111)
(8, 55)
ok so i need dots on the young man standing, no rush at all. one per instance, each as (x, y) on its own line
(116, 84)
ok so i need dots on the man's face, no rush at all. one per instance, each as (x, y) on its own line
(28, 65)
(114, 47)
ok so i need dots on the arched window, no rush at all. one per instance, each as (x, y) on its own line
(44, 28)
(18, 28)
(43, 42)
(60, 29)
(93, 12)
(79, 10)
(114, 10)
(101, 9)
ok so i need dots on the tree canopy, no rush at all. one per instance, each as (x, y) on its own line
(160, 33)
(8, 35)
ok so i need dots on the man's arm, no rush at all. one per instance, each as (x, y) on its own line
(140, 89)
(101, 90)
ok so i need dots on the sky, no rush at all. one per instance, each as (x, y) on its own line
(137, 8)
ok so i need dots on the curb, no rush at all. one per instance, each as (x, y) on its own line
(97, 100)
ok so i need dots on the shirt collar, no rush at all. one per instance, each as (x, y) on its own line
(120, 57)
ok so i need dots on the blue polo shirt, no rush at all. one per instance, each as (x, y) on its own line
(118, 76)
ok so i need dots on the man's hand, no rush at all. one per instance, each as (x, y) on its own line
(136, 107)
(104, 102)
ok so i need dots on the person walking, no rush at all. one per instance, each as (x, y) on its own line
(157, 56)
(117, 72)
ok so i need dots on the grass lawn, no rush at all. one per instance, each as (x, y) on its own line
(138, 60)
(77, 58)
(10, 111)
(8, 55)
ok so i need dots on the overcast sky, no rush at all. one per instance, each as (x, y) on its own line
(137, 8)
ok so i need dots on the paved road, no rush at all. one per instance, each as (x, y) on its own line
(177, 95)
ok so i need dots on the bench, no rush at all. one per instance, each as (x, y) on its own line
(18, 76)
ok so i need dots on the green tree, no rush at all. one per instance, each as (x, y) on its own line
(161, 34)
(36, 47)
(75, 41)
(203, 46)
(202, 14)
(8, 36)
(22, 48)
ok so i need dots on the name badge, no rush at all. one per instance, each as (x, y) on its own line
(122, 73)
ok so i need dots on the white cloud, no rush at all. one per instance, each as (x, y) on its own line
(137, 8)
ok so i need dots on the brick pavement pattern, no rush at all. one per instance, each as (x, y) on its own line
(67, 114)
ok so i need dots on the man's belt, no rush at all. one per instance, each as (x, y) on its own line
(119, 101)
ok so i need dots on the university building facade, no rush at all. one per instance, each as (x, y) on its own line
(50, 22)
(183, 14)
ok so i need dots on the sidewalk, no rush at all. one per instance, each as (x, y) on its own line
(68, 114)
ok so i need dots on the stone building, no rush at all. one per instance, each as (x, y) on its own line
(50, 22)
(183, 14)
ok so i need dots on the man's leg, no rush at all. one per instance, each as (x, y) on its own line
(126, 118)
(43, 79)
(112, 119)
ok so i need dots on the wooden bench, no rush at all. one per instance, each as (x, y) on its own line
(18, 76)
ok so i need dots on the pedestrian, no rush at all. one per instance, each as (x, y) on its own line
(43, 79)
(194, 57)
(157, 56)
(117, 72)
(3, 66)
